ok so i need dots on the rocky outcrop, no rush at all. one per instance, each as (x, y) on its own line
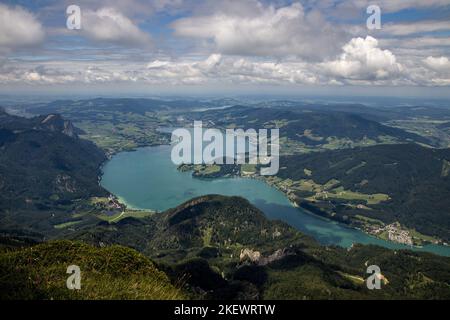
(253, 256)
(257, 258)
(54, 122)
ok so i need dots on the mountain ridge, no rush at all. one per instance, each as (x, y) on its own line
(248, 256)
(44, 166)
(312, 128)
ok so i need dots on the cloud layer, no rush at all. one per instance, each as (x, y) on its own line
(265, 31)
(361, 62)
(193, 42)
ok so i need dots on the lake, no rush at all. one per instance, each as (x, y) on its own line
(147, 179)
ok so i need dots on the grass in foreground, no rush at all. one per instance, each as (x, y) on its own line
(111, 273)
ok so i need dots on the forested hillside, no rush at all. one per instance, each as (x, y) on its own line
(217, 248)
(44, 166)
(311, 128)
(414, 180)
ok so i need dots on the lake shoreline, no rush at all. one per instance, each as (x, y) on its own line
(320, 229)
(408, 239)
(306, 210)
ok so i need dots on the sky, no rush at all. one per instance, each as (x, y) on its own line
(226, 46)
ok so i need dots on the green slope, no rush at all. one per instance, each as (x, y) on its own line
(311, 128)
(223, 247)
(413, 177)
(45, 169)
(115, 272)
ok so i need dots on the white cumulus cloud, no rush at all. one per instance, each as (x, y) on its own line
(362, 59)
(441, 64)
(265, 31)
(19, 28)
(110, 25)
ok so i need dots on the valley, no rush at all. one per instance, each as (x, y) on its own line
(224, 157)
(223, 246)
(272, 195)
(326, 129)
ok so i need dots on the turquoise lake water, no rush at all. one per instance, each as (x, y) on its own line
(147, 179)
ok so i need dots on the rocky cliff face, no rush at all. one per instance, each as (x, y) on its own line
(54, 122)
(49, 123)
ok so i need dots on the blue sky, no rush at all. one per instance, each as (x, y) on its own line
(184, 46)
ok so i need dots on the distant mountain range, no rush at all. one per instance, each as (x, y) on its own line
(376, 113)
(445, 125)
(311, 128)
(132, 123)
(136, 106)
